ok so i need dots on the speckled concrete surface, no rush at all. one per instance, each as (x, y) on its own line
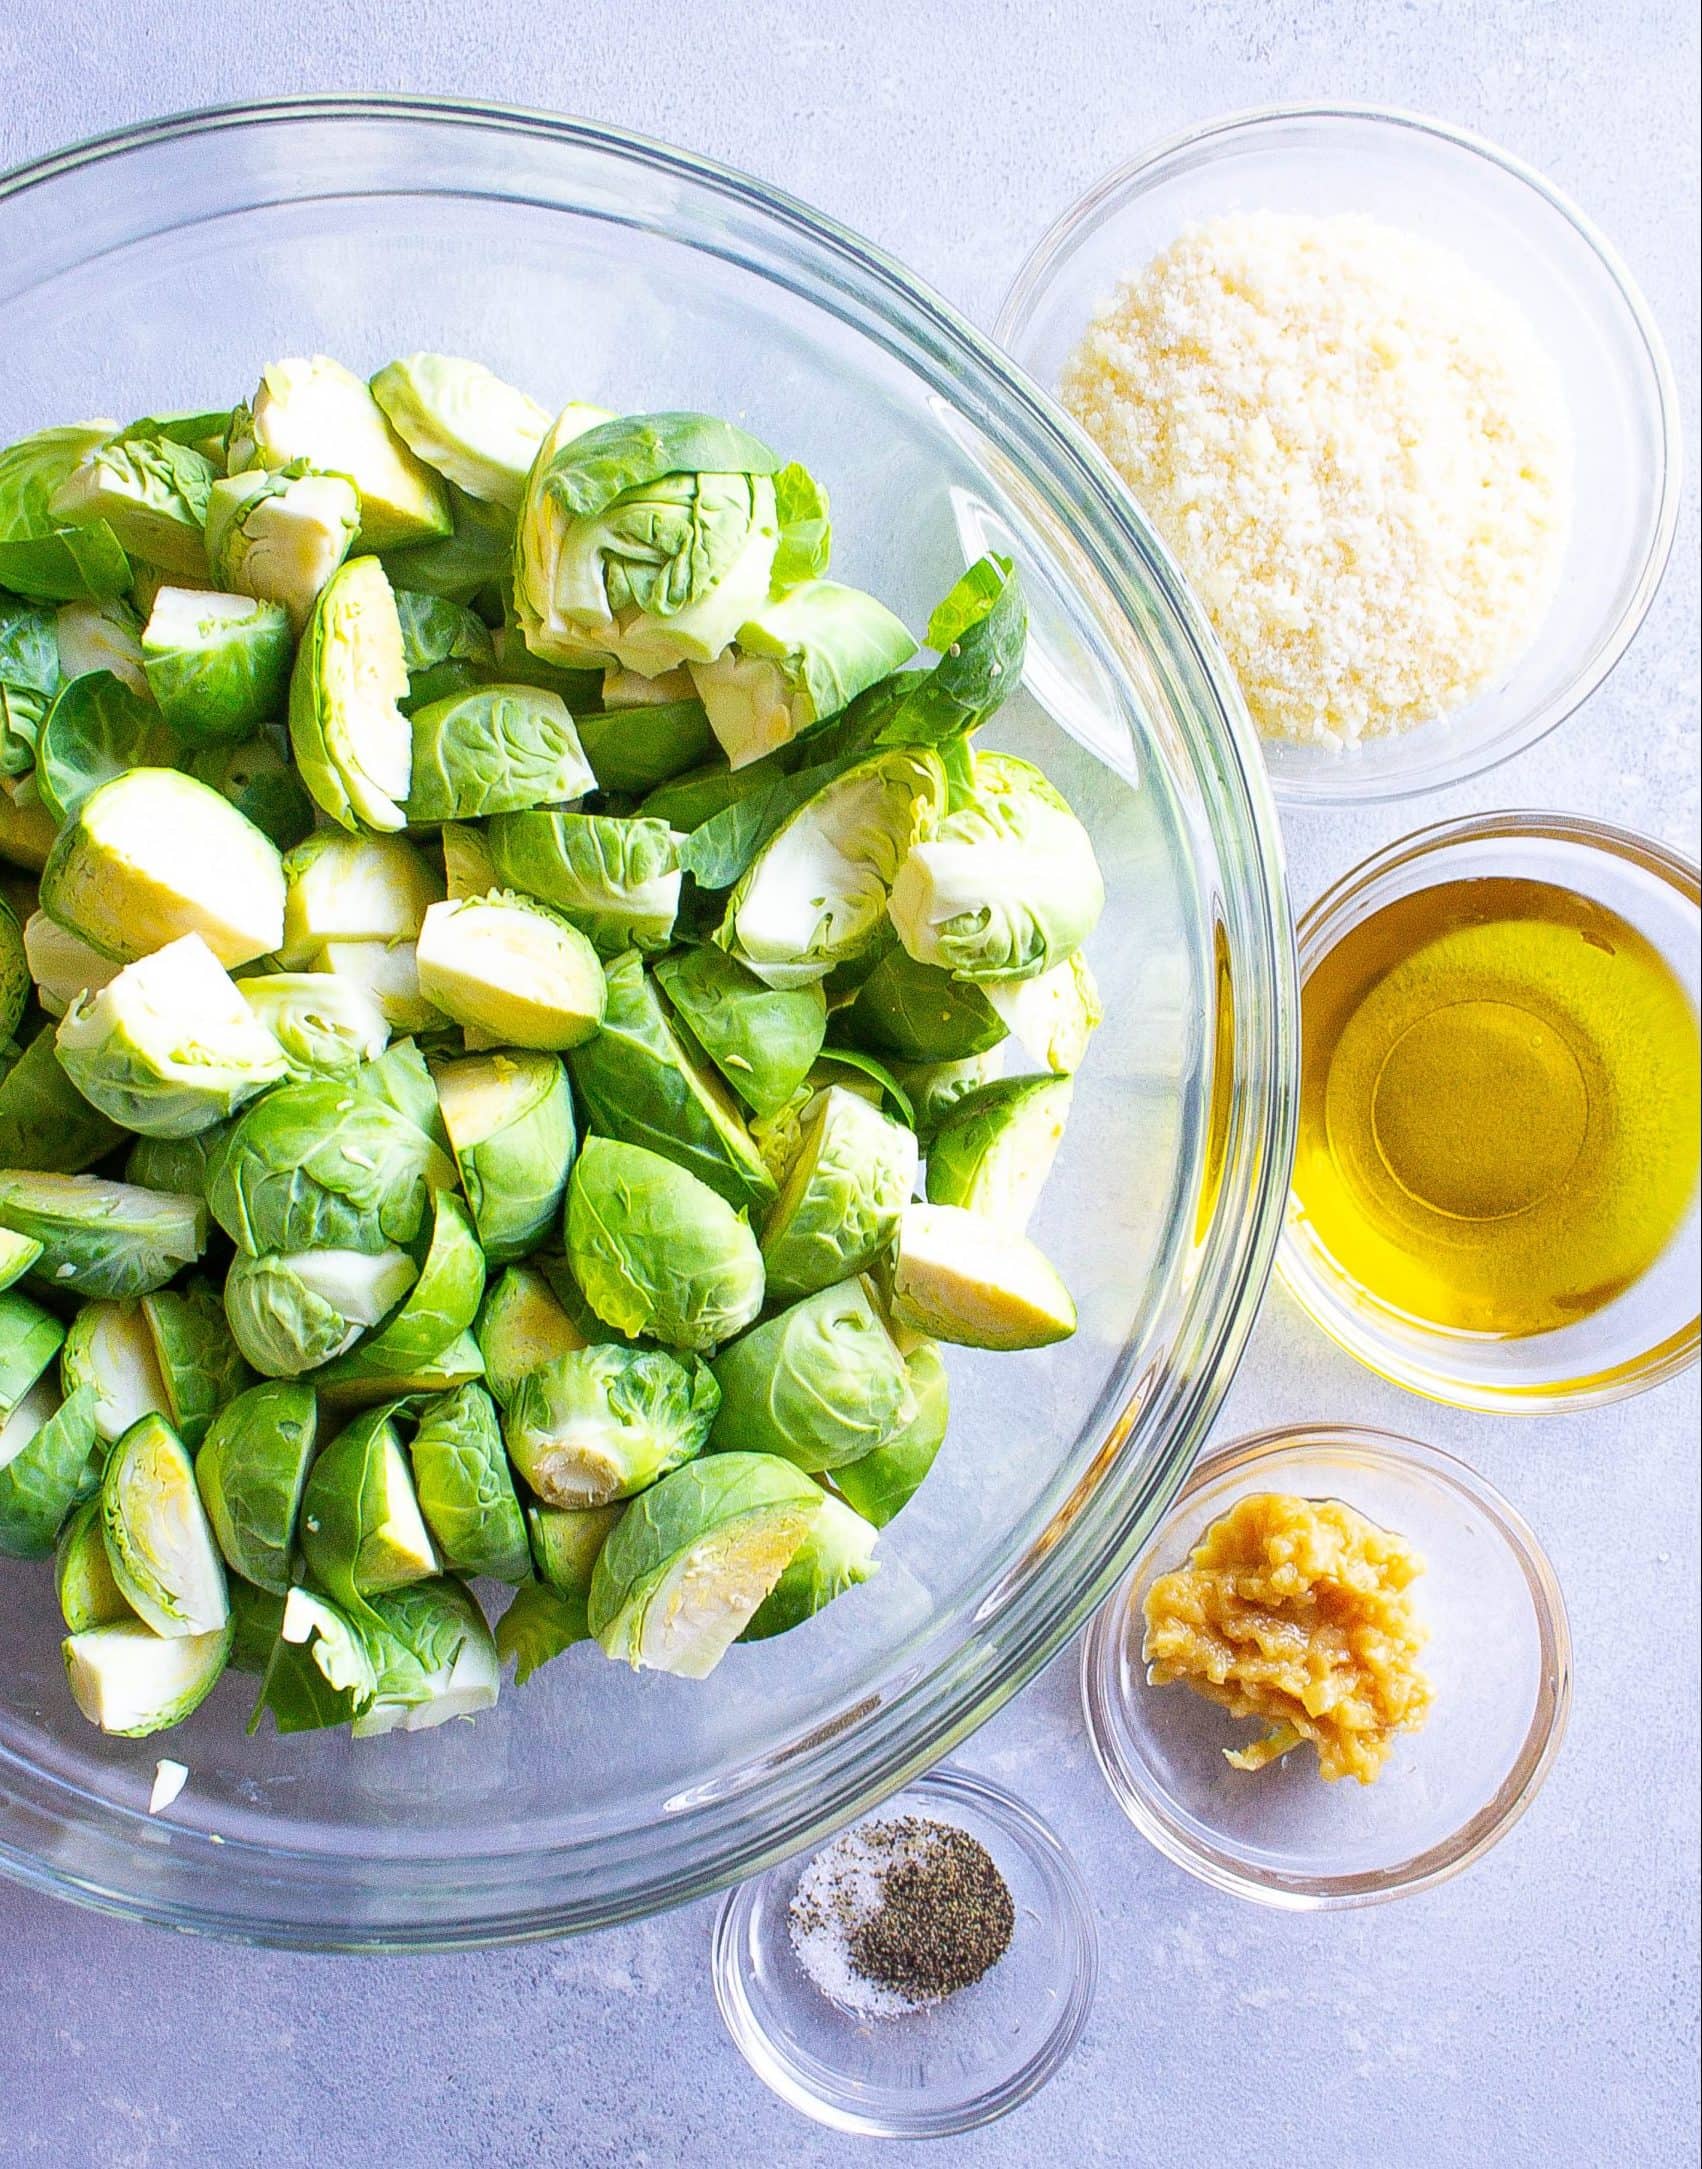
(1543, 2009)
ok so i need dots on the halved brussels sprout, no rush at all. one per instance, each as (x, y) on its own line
(510, 1121)
(837, 1554)
(154, 854)
(656, 1251)
(882, 1483)
(434, 1659)
(324, 1025)
(496, 749)
(158, 1537)
(505, 965)
(95, 730)
(40, 555)
(851, 1177)
(82, 1573)
(103, 1238)
(48, 1460)
(819, 1384)
(633, 747)
(1053, 1017)
(150, 493)
(439, 1307)
(617, 880)
(97, 636)
(131, 1681)
(962, 1277)
(110, 1350)
(995, 1149)
(466, 422)
(259, 779)
(292, 1313)
(62, 964)
(350, 738)
(198, 1361)
(762, 1039)
(168, 1046)
(522, 1324)
(217, 665)
(815, 895)
(318, 411)
(280, 536)
(801, 658)
(446, 648)
(603, 1423)
(922, 1014)
(320, 1671)
(45, 1122)
(361, 1527)
(691, 1560)
(465, 1490)
(251, 1472)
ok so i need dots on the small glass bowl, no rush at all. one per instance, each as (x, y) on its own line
(927, 2073)
(1528, 241)
(1499, 1658)
(1649, 1333)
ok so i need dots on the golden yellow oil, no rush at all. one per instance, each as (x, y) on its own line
(1499, 1105)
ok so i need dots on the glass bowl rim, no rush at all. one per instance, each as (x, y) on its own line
(1149, 167)
(1322, 925)
(1483, 1830)
(921, 1718)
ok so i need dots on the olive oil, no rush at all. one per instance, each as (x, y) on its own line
(1500, 1097)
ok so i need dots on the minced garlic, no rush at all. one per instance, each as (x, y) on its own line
(1356, 449)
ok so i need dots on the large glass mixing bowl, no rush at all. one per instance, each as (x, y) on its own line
(158, 269)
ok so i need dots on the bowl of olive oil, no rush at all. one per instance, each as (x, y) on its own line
(1495, 1195)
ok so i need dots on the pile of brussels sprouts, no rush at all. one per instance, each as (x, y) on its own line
(496, 934)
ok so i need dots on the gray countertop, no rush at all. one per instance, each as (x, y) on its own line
(1542, 2009)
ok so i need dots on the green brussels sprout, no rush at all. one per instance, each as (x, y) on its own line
(323, 1165)
(18, 1254)
(15, 983)
(251, 1472)
(205, 429)
(468, 869)
(647, 539)
(401, 1077)
(325, 1026)
(82, 1573)
(815, 895)
(935, 1088)
(361, 1529)
(687, 801)
(522, 1324)
(602, 1423)
(446, 648)
(959, 1276)
(539, 1624)
(836, 1555)
(45, 1122)
(257, 1621)
(1052, 1017)
(179, 1164)
(618, 881)
(292, 1313)
(130, 1681)
(110, 1350)
(762, 1039)
(638, 1082)
(197, 1359)
(880, 1484)
(838, 1207)
(350, 738)
(27, 829)
(656, 1251)
(467, 565)
(806, 533)
(41, 556)
(434, 1659)
(280, 536)
(439, 1307)
(820, 1384)
(258, 778)
(62, 964)
(504, 965)
(100, 636)
(318, 411)
(95, 730)
(158, 1537)
(462, 420)
(30, 673)
(801, 658)
(154, 854)
(320, 1671)
(465, 1490)
(922, 1014)
(103, 1238)
(387, 973)
(457, 1364)
(496, 749)
(150, 493)
(995, 1149)
(635, 748)
(691, 1560)
(510, 1121)
(30, 1338)
(566, 1541)
(48, 1457)
(217, 665)
(168, 1046)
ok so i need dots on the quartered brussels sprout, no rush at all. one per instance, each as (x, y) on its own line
(42, 556)
(324, 1026)
(506, 966)
(801, 658)
(109, 1349)
(439, 1307)
(130, 1681)
(496, 749)
(603, 1423)
(96, 729)
(217, 665)
(464, 1488)
(280, 535)
(168, 1046)
(18, 1254)
(850, 1178)
(465, 422)
(82, 1573)
(935, 1088)
(148, 492)
(1053, 1017)
(154, 854)
(62, 964)
(96, 636)
(656, 1251)
(434, 1659)
(103, 1238)
(566, 1541)
(198, 1361)
(257, 777)
(45, 1122)
(446, 648)
(158, 1537)
(510, 1122)
(345, 887)
(639, 1082)
(318, 411)
(815, 896)
(762, 1039)
(320, 1671)
(291, 1313)
(692, 1558)
(251, 1472)
(350, 738)
(819, 1384)
(962, 1277)
(995, 1149)
(634, 747)
(343, 1386)
(882, 1483)
(522, 1323)
(468, 869)
(837, 1554)
(617, 880)
(361, 1528)
(48, 1460)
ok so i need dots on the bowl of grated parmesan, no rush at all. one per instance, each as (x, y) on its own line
(1397, 411)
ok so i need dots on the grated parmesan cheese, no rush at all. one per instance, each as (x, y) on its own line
(1355, 448)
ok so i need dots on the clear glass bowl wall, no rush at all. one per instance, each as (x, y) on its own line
(159, 269)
